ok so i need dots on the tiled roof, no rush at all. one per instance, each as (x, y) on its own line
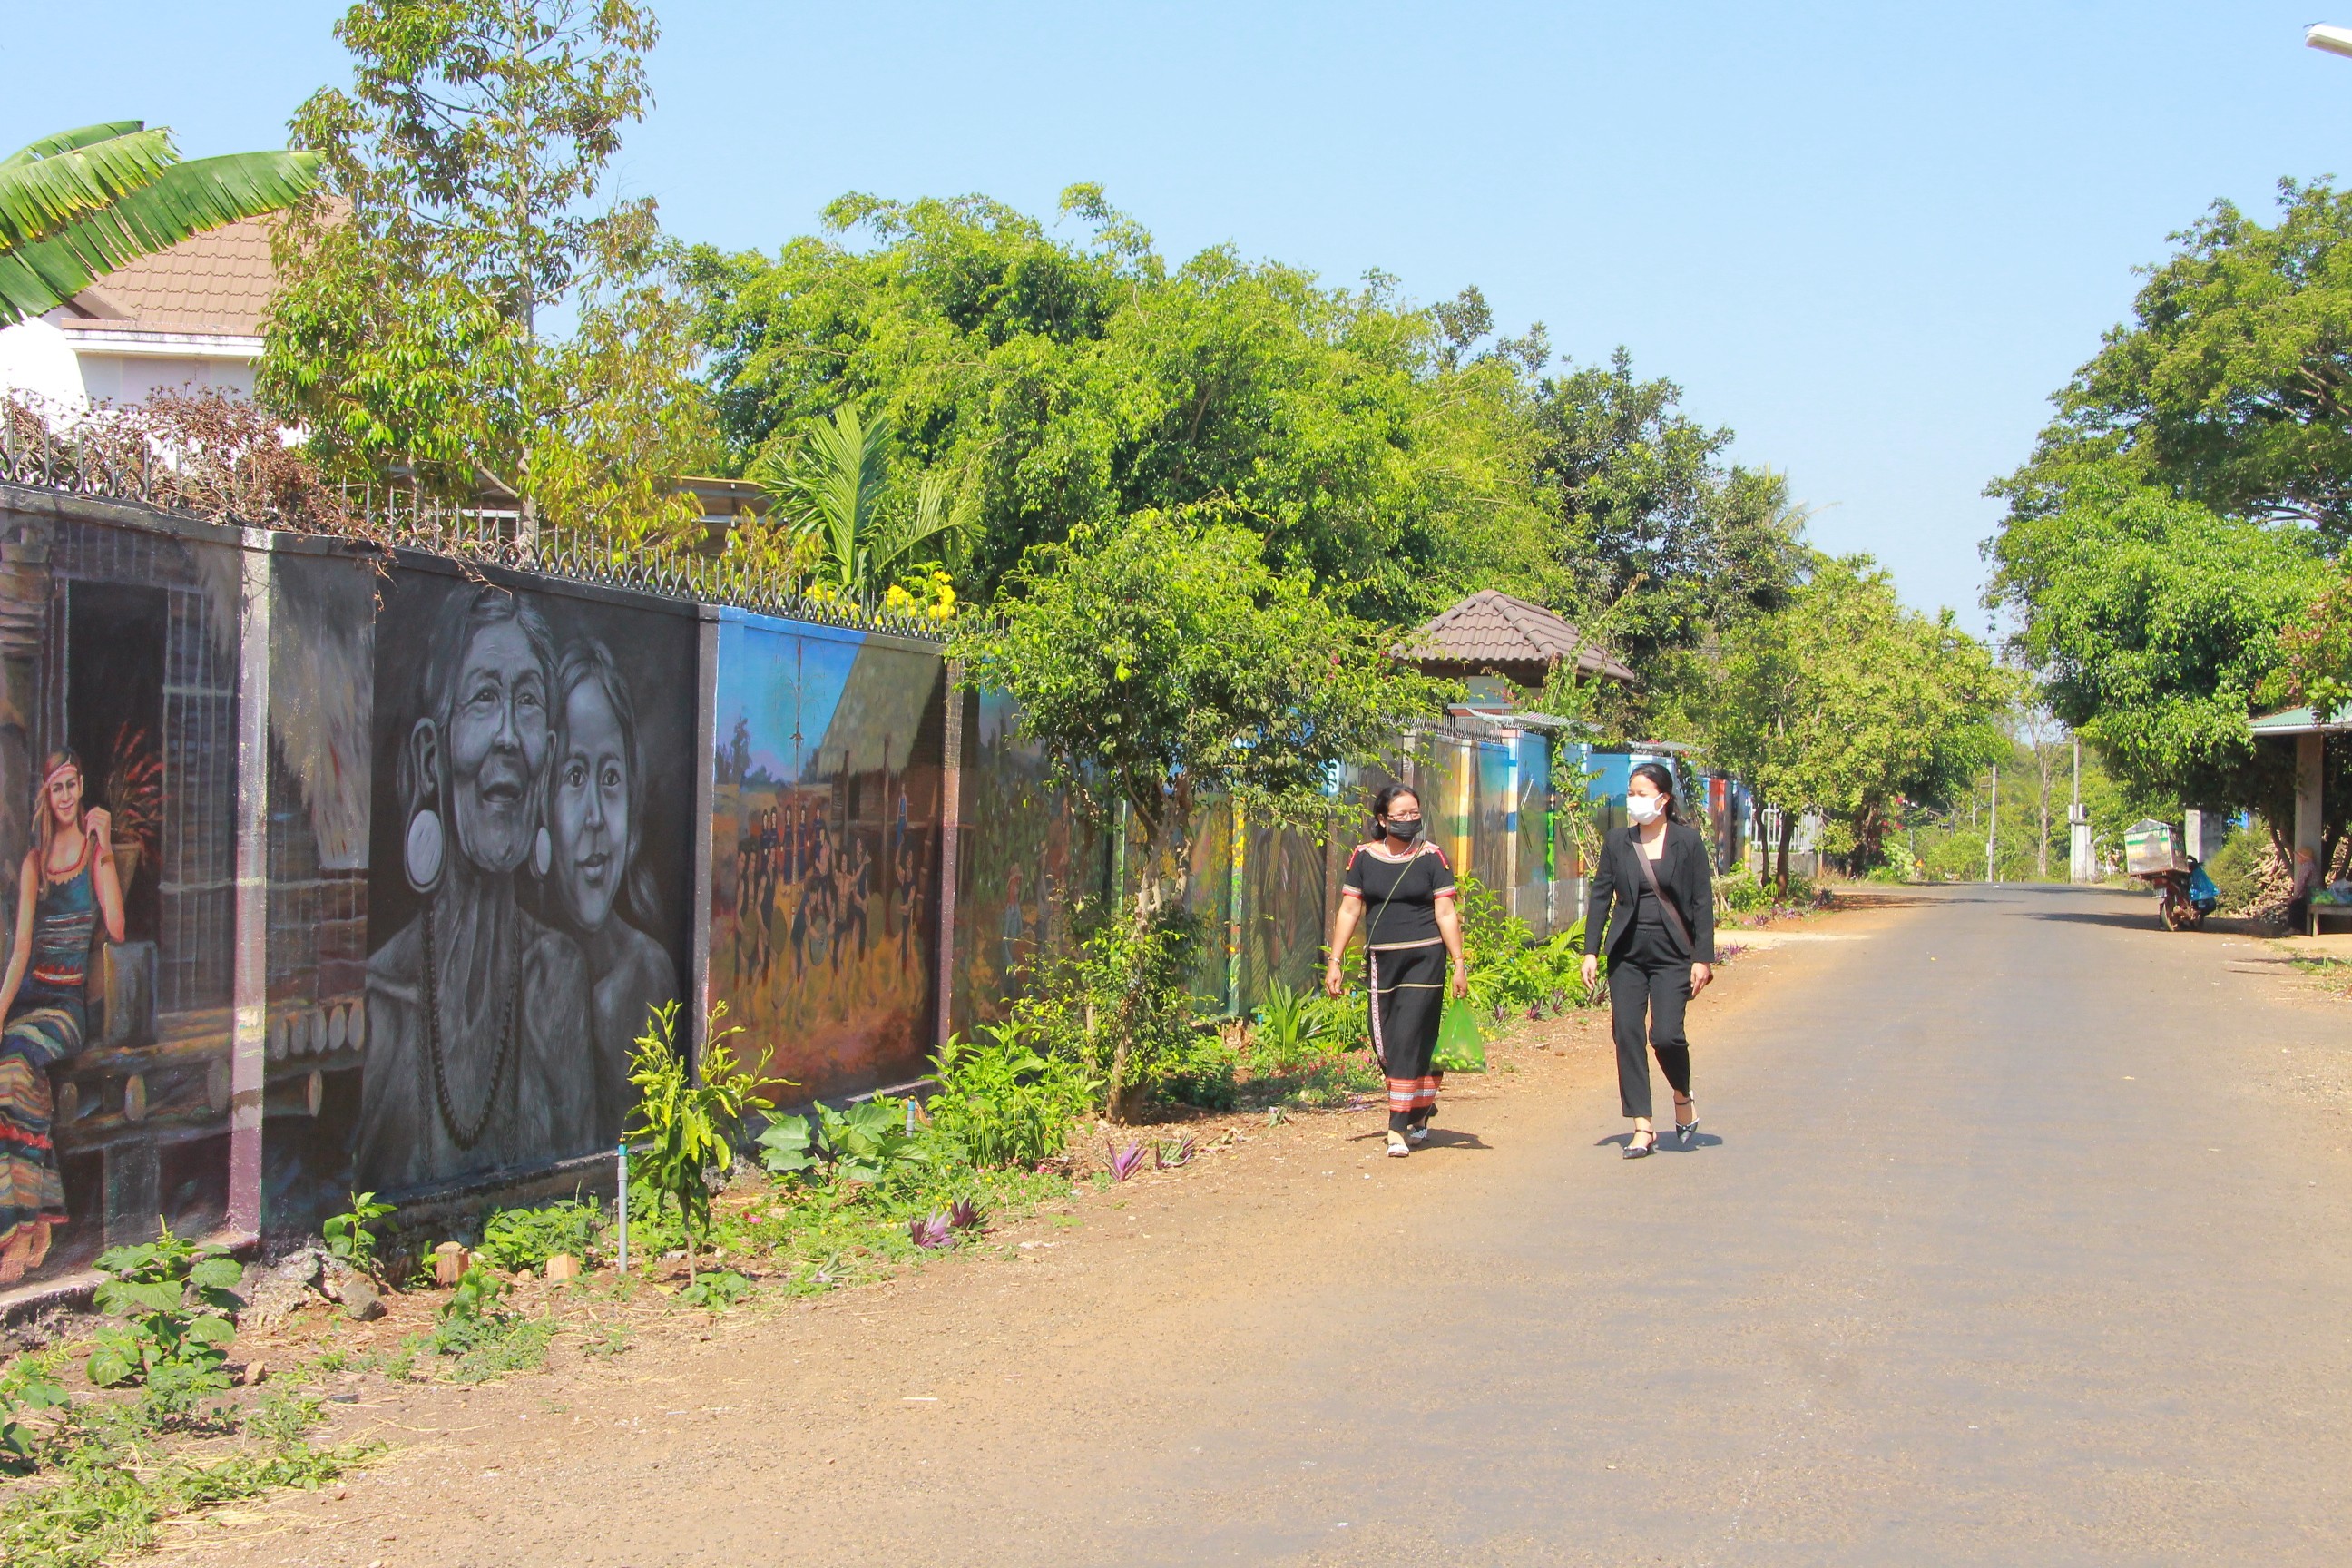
(1492, 629)
(215, 282)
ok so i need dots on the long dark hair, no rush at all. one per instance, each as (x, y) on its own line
(1660, 776)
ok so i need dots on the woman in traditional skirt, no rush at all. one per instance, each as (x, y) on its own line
(65, 888)
(1400, 888)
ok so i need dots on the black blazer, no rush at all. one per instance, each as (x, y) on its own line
(1683, 877)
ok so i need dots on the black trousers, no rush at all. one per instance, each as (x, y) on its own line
(1648, 984)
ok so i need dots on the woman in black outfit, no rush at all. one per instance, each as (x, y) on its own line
(1399, 887)
(1652, 912)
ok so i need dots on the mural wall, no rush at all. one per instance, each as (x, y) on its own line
(530, 881)
(825, 852)
(334, 874)
(118, 697)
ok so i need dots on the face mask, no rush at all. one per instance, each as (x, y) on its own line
(1645, 809)
(1408, 831)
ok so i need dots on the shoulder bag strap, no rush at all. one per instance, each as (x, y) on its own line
(1650, 873)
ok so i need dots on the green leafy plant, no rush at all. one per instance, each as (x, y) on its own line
(864, 1140)
(348, 1234)
(1001, 1101)
(788, 1147)
(30, 1383)
(687, 1126)
(1290, 1027)
(717, 1291)
(515, 1239)
(177, 1305)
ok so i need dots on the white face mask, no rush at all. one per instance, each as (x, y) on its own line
(1644, 809)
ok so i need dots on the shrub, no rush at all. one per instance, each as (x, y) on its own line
(1002, 1102)
(688, 1127)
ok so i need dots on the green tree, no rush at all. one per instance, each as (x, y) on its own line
(1077, 381)
(80, 204)
(2155, 623)
(456, 220)
(1846, 703)
(1158, 661)
(2232, 385)
(1664, 546)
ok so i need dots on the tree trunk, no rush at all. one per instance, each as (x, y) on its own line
(1788, 834)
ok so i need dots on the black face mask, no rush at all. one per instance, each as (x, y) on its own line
(1408, 831)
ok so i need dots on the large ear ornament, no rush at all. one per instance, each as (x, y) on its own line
(424, 847)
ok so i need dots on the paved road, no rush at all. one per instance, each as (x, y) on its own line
(2020, 1238)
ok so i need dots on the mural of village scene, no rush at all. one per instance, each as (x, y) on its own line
(528, 883)
(118, 690)
(826, 851)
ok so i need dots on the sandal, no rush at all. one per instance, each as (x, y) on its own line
(1398, 1147)
(1635, 1149)
(1686, 1131)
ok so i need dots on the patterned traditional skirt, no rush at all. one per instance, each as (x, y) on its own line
(31, 1190)
(1407, 997)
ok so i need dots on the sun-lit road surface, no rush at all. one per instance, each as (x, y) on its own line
(2018, 1237)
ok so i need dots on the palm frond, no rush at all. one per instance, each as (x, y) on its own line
(183, 199)
(828, 485)
(40, 195)
(942, 509)
(66, 140)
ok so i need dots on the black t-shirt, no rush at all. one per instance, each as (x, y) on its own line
(1400, 895)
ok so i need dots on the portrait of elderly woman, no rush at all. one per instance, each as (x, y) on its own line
(597, 806)
(477, 1010)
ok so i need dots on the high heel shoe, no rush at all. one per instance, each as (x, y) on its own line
(1686, 1131)
(1635, 1149)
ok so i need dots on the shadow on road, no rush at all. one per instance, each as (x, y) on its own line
(2143, 920)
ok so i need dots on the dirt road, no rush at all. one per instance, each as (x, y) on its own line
(2017, 1236)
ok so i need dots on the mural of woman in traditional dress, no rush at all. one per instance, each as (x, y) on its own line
(476, 1011)
(597, 803)
(66, 889)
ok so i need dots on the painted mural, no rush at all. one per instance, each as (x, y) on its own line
(529, 875)
(825, 853)
(116, 762)
(321, 704)
(1026, 861)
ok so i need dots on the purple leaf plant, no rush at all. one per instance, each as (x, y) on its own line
(1124, 1162)
(964, 1214)
(931, 1232)
(1167, 1156)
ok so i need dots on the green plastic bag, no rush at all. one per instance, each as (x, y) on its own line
(1460, 1048)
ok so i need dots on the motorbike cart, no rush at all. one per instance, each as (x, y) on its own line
(2185, 895)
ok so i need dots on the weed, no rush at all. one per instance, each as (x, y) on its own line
(175, 1297)
(1290, 1027)
(515, 1239)
(30, 1383)
(717, 1291)
(486, 1339)
(348, 1235)
(519, 1345)
(610, 1341)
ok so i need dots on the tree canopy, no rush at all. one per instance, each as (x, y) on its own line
(2172, 548)
(410, 332)
(1844, 703)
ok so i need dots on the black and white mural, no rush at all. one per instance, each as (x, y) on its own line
(529, 882)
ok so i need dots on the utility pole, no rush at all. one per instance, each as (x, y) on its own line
(2079, 862)
(1992, 827)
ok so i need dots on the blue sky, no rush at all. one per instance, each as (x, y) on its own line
(1871, 239)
